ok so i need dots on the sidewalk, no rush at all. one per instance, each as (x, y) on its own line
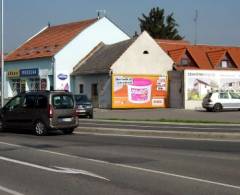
(168, 114)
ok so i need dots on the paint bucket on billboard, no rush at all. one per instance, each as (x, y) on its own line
(140, 91)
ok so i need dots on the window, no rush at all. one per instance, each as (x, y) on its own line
(226, 62)
(234, 95)
(14, 103)
(186, 61)
(34, 84)
(16, 86)
(223, 96)
(42, 101)
(62, 101)
(81, 88)
(29, 101)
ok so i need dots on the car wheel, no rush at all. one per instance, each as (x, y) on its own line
(40, 128)
(90, 116)
(217, 108)
(209, 109)
(68, 131)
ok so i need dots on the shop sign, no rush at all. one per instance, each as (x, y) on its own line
(62, 76)
(139, 91)
(13, 74)
(29, 72)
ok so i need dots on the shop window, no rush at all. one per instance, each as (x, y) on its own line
(81, 88)
(15, 84)
(34, 84)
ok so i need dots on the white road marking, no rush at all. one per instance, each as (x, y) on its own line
(58, 170)
(158, 137)
(144, 169)
(9, 191)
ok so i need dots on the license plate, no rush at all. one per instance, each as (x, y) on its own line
(66, 119)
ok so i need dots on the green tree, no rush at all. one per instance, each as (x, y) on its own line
(159, 26)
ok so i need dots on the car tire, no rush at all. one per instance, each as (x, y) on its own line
(90, 116)
(40, 128)
(217, 107)
(209, 109)
(68, 131)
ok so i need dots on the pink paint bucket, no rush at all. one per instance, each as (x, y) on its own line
(140, 91)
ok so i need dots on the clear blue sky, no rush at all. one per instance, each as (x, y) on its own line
(218, 19)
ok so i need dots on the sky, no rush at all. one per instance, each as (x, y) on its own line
(218, 21)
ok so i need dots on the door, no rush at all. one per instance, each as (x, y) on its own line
(94, 95)
(12, 112)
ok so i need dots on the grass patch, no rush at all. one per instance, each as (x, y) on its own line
(172, 121)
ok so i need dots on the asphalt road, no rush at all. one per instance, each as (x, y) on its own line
(148, 126)
(90, 164)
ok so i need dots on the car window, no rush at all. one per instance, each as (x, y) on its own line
(62, 101)
(14, 103)
(81, 98)
(29, 101)
(223, 96)
(234, 95)
(42, 101)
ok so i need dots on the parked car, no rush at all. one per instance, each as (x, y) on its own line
(218, 101)
(84, 106)
(40, 111)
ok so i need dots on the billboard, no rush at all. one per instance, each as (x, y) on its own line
(133, 91)
(199, 82)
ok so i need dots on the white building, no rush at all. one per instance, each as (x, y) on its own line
(128, 74)
(46, 60)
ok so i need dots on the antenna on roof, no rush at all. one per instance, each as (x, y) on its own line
(196, 27)
(101, 13)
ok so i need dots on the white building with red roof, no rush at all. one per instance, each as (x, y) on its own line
(46, 60)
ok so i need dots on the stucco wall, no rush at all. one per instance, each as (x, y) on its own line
(104, 87)
(134, 62)
(101, 31)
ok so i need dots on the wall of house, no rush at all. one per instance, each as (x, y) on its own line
(135, 62)
(44, 65)
(214, 79)
(103, 82)
(101, 31)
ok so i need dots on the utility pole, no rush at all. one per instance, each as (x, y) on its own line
(2, 60)
(196, 27)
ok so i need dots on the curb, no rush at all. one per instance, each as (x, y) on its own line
(208, 123)
(156, 133)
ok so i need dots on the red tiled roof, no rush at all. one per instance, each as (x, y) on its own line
(205, 56)
(48, 42)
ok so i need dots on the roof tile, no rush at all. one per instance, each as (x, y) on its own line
(48, 42)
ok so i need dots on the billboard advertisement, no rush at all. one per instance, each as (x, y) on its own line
(133, 91)
(199, 82)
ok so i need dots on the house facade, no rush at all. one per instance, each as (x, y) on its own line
(46, 60)
(128, 74)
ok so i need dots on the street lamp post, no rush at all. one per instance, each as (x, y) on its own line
(2, 60)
